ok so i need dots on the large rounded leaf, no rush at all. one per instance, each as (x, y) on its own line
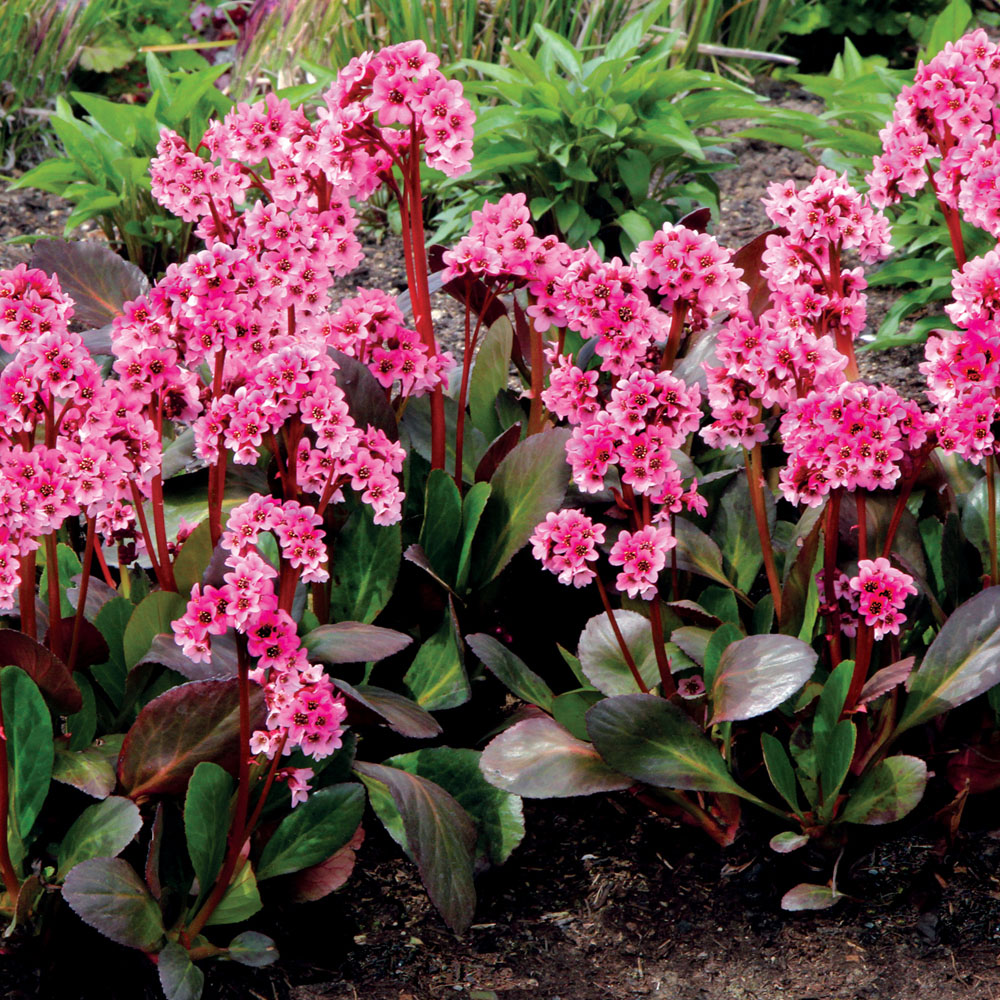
(538, 759)
(49, 672)
(601, 656)
(102, 830)
(652, 740)
(757, 674)
(107, 894)
(888, 792)
(962, 663)
(184, 726)
(434, 830)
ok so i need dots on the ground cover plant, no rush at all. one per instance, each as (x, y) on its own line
(215, 491)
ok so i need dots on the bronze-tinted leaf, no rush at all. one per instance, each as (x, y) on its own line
(400, 713)
(49, 672)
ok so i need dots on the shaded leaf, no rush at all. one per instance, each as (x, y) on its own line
(91, 769)
(538, 759)
(489, 376)
(107, 894)
(437, 678)
(241, 901)
(49, 672)
(30, 747)
(500, 447)
(785, 843)
(511, 670)
(353, 642)
(757, 674)
(601, 656)
(365, 567)
(366, 399)
(174, 733)
(400, 713)
(102, 830)
(810, 897)
(329, 875)
(180, 978)
(439, 836)
(886, 679)
(253, 949)
(652, 740)
(152, 617)
(442, 525)
(206, 821)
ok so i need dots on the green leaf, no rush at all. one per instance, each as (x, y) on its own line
(834, 754)
(442, 524)
(890, 790)
(30, 747)
(635, 170)
(810, 897)
(194, 557)
(697, 553)
(102, 830)
(652, 740)
(564, 53)
(497, 814)
(436, 678)
(757, 674)
(735, 530)
(948, 26)
(241, 901)
(489, 377)
(152, 617)
(92, 769)
(832, 698)
(180, 978)
(528, 484)
(253, 948)
(313, 830)
(472, 510)
(82, 726)
(539, 759)
(570, 710)
(719, 641)
(439, 836)
(49, 672)
(963, 661)
(206, 821)
(107, 894)
(353, 642)
(636, 226)
(366, 564)
(779, 769)
(401, 714)
(111, 622)
(601, 656)
(69, 566)
(511, 670)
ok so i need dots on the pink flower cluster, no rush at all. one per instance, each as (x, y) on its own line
(944, 129)
(802, 341)
(875, 596)
(963, 366)
(853, 438)
(641, 555)
(566, 543)
(303, 709)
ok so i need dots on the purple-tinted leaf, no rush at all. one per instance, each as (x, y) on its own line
(538, 759)
(749, 259)
(697, 553)
(694, 614)
(184, 726)
(498, 450)
(366, 399)
(167, 653)
(353, 642)
(439, 836)
(601, 658)
(415, 554)
(401, 714)
(510, 670)
(92, 769)
(887, 792)
(976, 768)
(650, 739)
(97, 280)
(785, 843)
(253, 948)
(322, 879)
(180, 978)
(810, 897)
(693, 641)
(886, 679)
(799, 575)
(98, 594)
(962, 662)
(697, 219)
(757, 674)
(49, 672)
(107, 894)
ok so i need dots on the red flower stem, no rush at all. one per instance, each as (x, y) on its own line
(105, 572)
(859, 499)
(626, 652)
(904, 494)
(991, 515)
(88, 562)
(7, 871)
(144, 527)
(160, 526)
(832, 611)
(667, 686)
(26, 596)
(536, 412)
(268, 782)
(214, 491)
(55, 605)
(238, 828)
(755, 482)
(862, 660)
(673, 345)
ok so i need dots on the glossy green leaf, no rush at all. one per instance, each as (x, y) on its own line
(442, 526)
(490, 376)
(30, 747)
(180, 978)
(890, 790)
(313, 830)
(832, 698)
(757, 674)
(437, 678)
(472, 511)
(528, 484)
(601, 657)
(439, 837)
(111, 622)
(497, 814)
(963, 661)
(834, 753)
(539, 759)
(206, 821)
(107, 894)
(92, 769)
(152, 617)
(241, 901)
(779, 769)
(68, 566)
(511, 670)
(102, 830)
(193, 558)
(365, 567)
(570, 710)
(719, 641)
(650, 739)
(735, 531)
